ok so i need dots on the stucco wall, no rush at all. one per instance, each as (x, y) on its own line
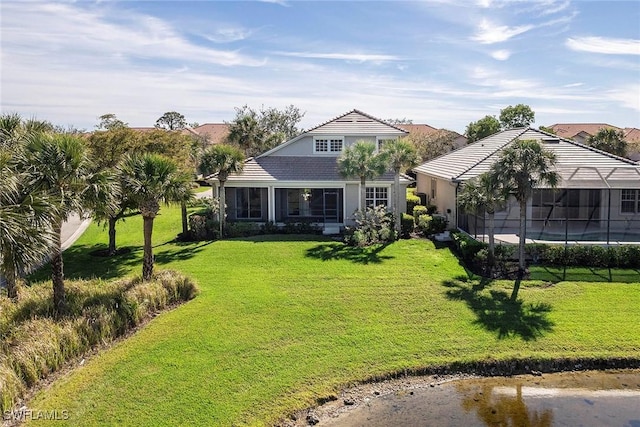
(351, 201)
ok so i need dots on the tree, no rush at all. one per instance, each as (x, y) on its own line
(222, 160)
(259, 131)
(400, 155)
(402, 121)
(361, 160)
(109, 121)
(430, 146)
(484, 193)
(171, 120)
(25, 215)
(609, 140)
(523, 166)
(482, 128)
(547, 130)
(58, 166)
(152, 179)
(517, 116)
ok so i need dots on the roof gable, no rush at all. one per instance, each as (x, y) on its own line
(353, 123)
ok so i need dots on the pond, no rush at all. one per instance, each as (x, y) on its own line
(590, 398)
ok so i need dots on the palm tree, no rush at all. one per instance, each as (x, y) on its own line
(222, 160)
(400, 155)
(523, 166)
(149, 180)
(58, 165)
(360, 160)
(25, 237)
(483, 193)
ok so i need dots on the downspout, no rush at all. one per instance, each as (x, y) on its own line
(456, 203)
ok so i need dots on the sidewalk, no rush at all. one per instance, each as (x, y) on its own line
(72, 229)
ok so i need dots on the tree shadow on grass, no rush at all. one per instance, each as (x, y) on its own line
(187, 250)
(507, 315)
(339, 251)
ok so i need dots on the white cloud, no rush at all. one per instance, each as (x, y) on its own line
(357, 57)
(611, 46)
(501, 55)
(490, 33)
(229, 34)
(628, 96)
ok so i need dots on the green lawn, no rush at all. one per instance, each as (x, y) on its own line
(281, 322)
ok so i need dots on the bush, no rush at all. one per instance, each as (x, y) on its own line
(412, 200)
(241, 229)
(406, 225)
(300, 226)
(429, 225)
(35, 343)
(418, 211)
(466, 246)
(373, 226)
(431, 209)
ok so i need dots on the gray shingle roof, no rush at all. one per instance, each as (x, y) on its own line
(295, 168)
(356, 122)
(577, 164)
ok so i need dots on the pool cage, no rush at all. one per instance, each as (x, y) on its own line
(590, 206)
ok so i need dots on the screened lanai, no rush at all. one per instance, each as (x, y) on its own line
(597, 198)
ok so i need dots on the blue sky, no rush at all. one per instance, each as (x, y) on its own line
(444, 63)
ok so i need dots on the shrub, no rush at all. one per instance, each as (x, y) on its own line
(300, 226)
(406, 225)
(419, 210)
(537, 252)
(35, 343)
(373, 226)
(428, 225)
(412, 200)
(466, 246)
(241, 229)
(431, 209)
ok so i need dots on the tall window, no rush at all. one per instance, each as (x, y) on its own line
(248, 203)
(630, 201)
(376, 196)
(434, 188)
(328, 145)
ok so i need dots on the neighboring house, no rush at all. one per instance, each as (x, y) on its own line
(597, 198)
(580, 132)
(299, 179)
(454, 138)
(213, 133)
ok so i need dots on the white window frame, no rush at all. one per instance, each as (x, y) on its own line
(635, 199)
(380, 140)
(373, 195)
(331, 144)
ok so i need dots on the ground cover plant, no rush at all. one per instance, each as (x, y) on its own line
(284, 320)
(35, 341)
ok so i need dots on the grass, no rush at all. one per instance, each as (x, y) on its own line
(285, 320)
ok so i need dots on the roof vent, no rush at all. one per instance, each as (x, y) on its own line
(550, 140)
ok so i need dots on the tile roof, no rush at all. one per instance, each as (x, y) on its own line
(577, 164)
(569, 130)
(418, 128)
(294, 168)
(355, 122)
(216, 132)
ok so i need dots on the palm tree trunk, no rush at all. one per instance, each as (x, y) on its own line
(222, 207)
(147, 260)
(57, 269)
(396, 201)
(185, 223)
(12, 285)
(363, 194)
(523, 229)
(112, 236)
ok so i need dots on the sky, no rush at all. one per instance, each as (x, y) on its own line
(443, 63)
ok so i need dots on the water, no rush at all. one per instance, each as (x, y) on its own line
(609, 398)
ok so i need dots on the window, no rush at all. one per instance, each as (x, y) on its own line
(630, 201)
(434, 187)
(328, 145)
(248, 203)
(376, 196)
(382, 141)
